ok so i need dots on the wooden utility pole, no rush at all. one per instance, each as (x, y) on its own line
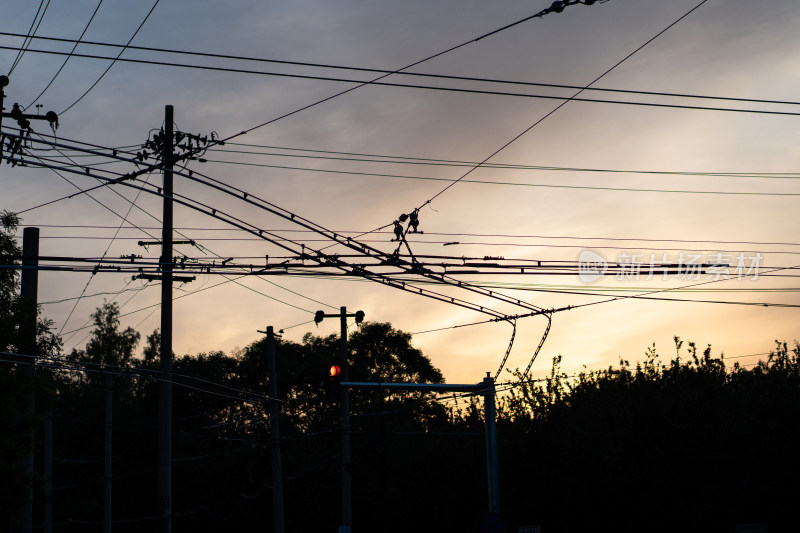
(165, 385)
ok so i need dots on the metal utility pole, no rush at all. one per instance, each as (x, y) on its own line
(107, 505)
(275, 434)
(491, 444)
(29, 289)
(347, 482)
(347, 490)
(165, 386)
(487, 389)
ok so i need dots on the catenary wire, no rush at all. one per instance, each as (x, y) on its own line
(462, 179)
(113, 62)
(402, 73)
(565, 102)
(31, 32)
(124, 219)
(400, 160)
(361, 83)
(66, 59)
(213, 253)
(443, 234)
(272, 208)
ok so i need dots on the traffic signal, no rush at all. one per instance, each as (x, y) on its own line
(359, 317)
(331, 383)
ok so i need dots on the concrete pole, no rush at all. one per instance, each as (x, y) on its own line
(165, 386)
(347, 495)
(275, 435)
(29, 289)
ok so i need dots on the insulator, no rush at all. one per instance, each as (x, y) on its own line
(52, 118)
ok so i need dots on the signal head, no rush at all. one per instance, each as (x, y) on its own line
(319, 316)
(334, 371)
(3, 80)
(558, 6)
(359, 317)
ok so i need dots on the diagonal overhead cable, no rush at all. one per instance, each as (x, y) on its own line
(64, 64)
(113, 61)
(311, 254)
(85, 170)
(573, 97)
(125, 219)
(31, 32)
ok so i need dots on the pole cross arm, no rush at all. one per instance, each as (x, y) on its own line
(440, 387)
(23, 119)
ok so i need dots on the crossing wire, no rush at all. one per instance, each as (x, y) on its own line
(562, 104)
(267, 206)
(400, 160)
(443, 234)
(400, 73)
(113, 62)
(360, 83)
(64, 64)
(31, 32)
(462, 179)
(124, 219)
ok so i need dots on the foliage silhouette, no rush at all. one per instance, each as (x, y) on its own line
(689, 443)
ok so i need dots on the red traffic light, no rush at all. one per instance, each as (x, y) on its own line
(334, 371)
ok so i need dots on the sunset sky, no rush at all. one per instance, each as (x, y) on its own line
(681, 164)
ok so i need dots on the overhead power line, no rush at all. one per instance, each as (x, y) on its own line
(113, 59)
(31, 32)
(360, 82)
(574, 97)
(315, 255)
(61, 363)
(113, 154)
(400, 160)
(64, 64)
(503, 235)
(462, 179)
(406, 74)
